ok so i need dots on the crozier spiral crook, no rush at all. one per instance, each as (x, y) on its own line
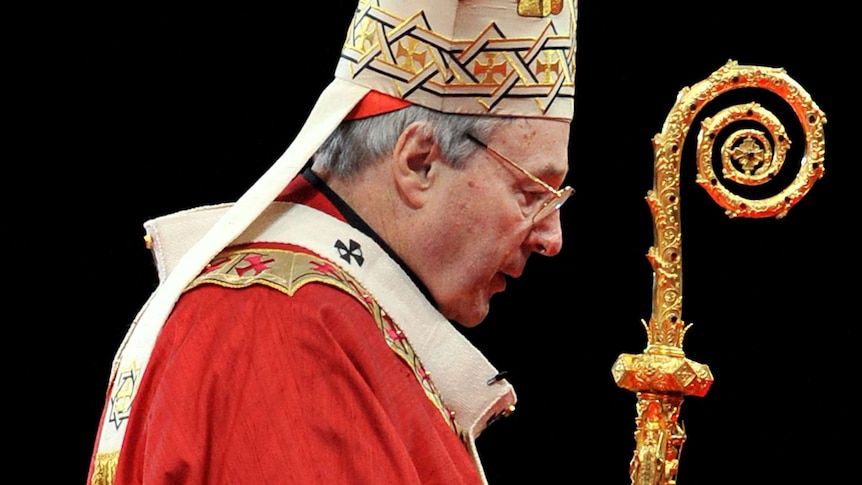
(752, 145)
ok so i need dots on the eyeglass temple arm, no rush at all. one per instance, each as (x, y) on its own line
(517, 167)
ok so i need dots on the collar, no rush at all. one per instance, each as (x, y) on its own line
(311, 190)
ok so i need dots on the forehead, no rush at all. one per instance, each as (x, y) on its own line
(538, 145)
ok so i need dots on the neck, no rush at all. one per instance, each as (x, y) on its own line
(380, 204)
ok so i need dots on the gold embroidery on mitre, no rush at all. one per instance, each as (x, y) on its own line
(539, 8)
(406, 57)
(412, 55)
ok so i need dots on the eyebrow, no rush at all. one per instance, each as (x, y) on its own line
(549, 171)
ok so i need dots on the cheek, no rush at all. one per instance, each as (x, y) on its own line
(485, 208)
(468, 204)
(488, 198)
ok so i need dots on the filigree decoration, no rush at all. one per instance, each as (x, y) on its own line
(662, 376)
(747, 155)
(657, 460)
(748, 158)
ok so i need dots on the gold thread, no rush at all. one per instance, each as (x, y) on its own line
(105, 468)
(539, 8)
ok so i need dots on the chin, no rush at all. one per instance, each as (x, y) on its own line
(471, 323)
(467, 307)
(469, 318)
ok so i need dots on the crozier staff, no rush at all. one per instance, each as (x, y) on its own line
(302, 334)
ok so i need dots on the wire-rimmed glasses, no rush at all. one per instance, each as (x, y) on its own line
(557, 197)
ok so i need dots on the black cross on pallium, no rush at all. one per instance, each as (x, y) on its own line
(354, 251)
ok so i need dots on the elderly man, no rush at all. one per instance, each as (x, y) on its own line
(302, 334)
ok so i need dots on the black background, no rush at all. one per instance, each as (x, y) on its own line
(140, 113)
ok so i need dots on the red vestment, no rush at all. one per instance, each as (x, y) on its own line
(256, 385)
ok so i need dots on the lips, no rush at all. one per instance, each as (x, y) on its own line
(515, 271)
(498, 283)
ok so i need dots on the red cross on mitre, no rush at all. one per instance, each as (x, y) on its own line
(488, 70)
(547, 68)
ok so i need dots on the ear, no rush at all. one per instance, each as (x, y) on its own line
(415, 163)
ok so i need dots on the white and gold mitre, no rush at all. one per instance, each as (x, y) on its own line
(497, 57)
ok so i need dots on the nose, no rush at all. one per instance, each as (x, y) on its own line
(546, 238)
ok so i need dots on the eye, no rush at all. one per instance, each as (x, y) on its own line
(536, 196)
(529, 198)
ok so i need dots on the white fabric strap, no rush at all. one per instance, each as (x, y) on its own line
(333, 105)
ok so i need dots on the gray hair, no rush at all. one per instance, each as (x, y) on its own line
(356, 144)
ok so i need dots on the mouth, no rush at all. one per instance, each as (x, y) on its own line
(514, 271)
(498, 283)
